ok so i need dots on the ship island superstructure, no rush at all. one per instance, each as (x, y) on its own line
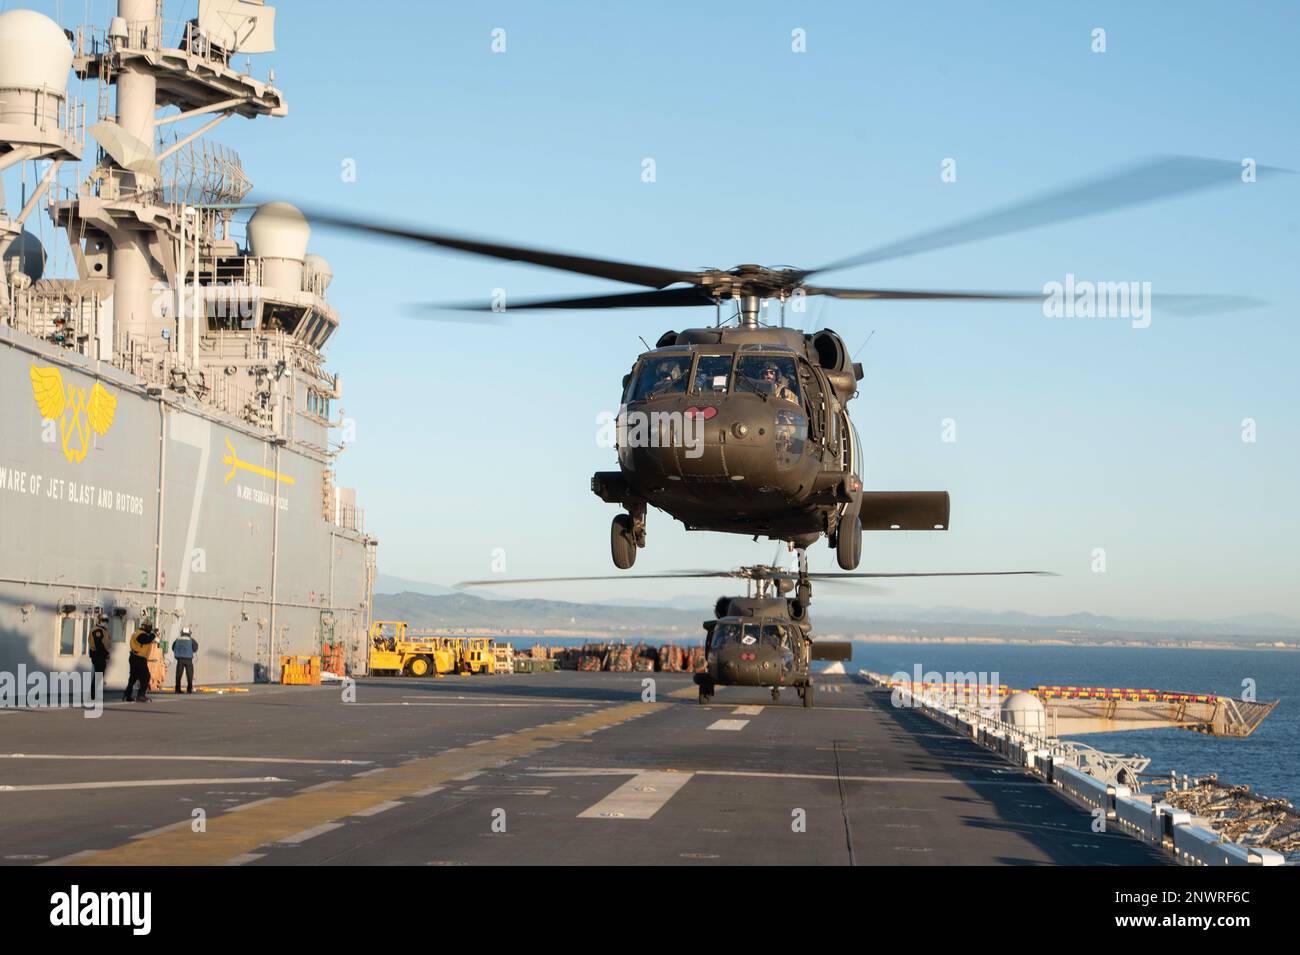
(167, 444)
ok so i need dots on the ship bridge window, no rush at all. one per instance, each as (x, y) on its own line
(661, 376)
(282, 318)
(770, 375)
(228, 314)
(712, 374)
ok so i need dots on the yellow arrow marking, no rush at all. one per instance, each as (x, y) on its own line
(237, 465)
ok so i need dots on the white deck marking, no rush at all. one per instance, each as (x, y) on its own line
(488, 698)
(65, 860)
(129, 783)
(748, 710)
(244, 858)
(558, 771)
(256, 802)
(161, 829)
(377, 808)
(639, 798)
(318, 786)
(311, 833)
(429, 791)
(728, 725)
(503, 705)
(202, 759)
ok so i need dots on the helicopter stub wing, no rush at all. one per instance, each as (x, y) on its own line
(904, 510)
(832, 650)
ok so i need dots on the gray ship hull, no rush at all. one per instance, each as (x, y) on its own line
(137, 501)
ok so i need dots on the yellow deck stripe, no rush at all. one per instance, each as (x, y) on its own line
(235, 834)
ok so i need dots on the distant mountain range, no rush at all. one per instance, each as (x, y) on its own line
(434, 606)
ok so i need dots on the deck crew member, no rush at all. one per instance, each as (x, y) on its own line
(99, 651)
(141, 643)
(183, 649)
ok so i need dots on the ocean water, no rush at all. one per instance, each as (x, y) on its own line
(1268, 760)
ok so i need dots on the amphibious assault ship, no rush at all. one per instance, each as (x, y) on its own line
(165, 411)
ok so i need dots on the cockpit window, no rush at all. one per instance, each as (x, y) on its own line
(771, 375)
(661, 376)
(712, 374)
(725, 633)
(774, 635)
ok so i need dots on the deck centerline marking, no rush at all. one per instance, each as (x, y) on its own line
(747, 710)
(732, 725)
(639, 798)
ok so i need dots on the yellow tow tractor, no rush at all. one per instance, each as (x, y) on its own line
(477, 655)
(393, 652)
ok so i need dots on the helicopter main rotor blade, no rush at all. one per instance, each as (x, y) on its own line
(1178, 303)
(940, 573)
(1147, 181)
(658, 298)
(926, 294)
(629, 272)
(554, 580)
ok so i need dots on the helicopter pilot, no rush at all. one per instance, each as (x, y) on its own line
(778, 385)
(668, 379)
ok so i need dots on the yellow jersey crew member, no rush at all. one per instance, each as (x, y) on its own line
(99, 651)
(141, 643)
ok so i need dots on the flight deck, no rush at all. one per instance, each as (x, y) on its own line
(547, 768)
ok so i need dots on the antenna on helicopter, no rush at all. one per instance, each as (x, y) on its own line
(863, 345)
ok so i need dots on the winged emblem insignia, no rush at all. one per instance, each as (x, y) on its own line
(80, 414)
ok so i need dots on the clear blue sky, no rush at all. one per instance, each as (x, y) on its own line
(1072, 434)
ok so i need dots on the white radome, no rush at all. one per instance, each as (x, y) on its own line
(278, 230)
(1025, 711)
(316, 265)
(34, 52)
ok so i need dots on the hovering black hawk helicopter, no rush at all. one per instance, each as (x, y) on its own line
(743, 426)
(764, 638)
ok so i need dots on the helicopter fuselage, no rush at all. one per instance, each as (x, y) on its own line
(756, 644)
(737, 430)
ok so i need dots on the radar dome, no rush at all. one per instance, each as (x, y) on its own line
(278, 230)
(34, 52)
(1026, 712)
(25, 255)
(316, 266)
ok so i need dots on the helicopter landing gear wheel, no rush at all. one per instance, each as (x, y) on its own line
(706, 693)
(622, 542)
(848, 545)
(776, 694)
(807, 694)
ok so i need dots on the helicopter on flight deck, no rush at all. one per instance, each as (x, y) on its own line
(763, 638)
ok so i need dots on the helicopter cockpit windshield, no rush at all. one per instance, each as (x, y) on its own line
(712, 375)
(770, 375)
(661, 376)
